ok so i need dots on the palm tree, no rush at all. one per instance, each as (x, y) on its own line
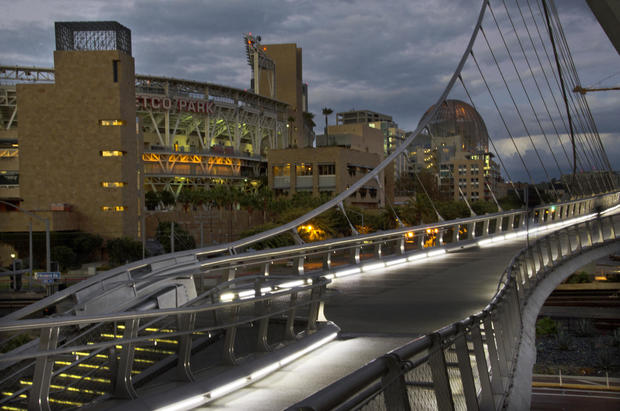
(326, 112)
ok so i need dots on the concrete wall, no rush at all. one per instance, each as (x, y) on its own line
(520, 396)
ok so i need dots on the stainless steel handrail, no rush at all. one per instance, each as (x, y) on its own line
(500, 320)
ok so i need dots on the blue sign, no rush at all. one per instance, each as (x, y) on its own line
(47, 276)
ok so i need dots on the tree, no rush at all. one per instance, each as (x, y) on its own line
(326, 112)
(182, 239)
(123, 250)
(151, 200)
(167, 198)
(65, 256)
(186, 197)
(85, 246)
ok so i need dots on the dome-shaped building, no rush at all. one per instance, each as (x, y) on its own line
(457, 118)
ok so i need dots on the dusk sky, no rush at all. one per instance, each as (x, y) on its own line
(393, 57)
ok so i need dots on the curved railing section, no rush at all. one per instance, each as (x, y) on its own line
(120, 288)
(81, 360)
(171, 293)
(469, 364)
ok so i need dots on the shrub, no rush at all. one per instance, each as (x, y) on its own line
(579, 278)
(546, 327)
(124, 250)
(584, 328)
(65, 256)
(563, 339)
(182, 239)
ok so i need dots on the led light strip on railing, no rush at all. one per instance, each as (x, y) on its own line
(247, 294)
(243, 381)
(499, 238)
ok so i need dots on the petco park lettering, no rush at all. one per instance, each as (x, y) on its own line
(176, 104)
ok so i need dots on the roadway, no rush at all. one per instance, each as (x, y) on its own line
(379, 311)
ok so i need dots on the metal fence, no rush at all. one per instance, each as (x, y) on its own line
(220, 288)
(467, 365)
(78, 360)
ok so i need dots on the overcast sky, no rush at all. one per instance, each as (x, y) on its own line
(390, 56)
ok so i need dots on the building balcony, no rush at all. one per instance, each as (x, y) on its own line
(280, 182)
(303, 182)
(327, 181)
(9, 191)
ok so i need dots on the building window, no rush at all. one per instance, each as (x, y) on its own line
(112, 153)
(282, 170)
(462, 170)
(115, 64)
(107, 123)
(303, 169)
(113, 184)
(113, 209)
(327, 169)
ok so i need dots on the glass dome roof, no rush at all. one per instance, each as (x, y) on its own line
(455, 117)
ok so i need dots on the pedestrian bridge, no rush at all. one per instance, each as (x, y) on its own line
(205, 323)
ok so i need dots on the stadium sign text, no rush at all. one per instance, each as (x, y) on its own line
(177, 104)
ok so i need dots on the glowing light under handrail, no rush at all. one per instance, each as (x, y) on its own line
(243, 381)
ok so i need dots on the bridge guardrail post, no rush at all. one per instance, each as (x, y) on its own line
(401, 245)
(289, 329)
(123, 386)
(561, 253)
(439, 371)
(266, 268)
(497, 367)
(485, 227)
(455, 233)
(472, 230)
(38, 397)
(500, 340)
(261, 308)
(357, 253)
(589, 233)
(599, 230)
(229, 338)
(313, 312)
(300, 265)
(612, 228)
(378, 251)
(486, 393)
(467, 376)
(184, 348)
(394, 385)
(578, 244)
(548, 251)
(327, 262)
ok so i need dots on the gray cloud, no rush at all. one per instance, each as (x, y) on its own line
(393, 57)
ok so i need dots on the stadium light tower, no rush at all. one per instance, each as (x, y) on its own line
(259, 62)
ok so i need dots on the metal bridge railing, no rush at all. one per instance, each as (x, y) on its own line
(97, 306)
(469, 364)
(225, 262)
(78, 360)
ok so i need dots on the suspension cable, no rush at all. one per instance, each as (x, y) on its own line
(524, 88)
(527, 131)
(493, 144)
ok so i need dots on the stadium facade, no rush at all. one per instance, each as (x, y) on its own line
(81, 142)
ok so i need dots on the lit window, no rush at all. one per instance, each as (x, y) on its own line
(112, 153)
(113, 208)
(113, 184)
(111, 122)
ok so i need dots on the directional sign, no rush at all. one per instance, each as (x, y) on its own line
(53, 275)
